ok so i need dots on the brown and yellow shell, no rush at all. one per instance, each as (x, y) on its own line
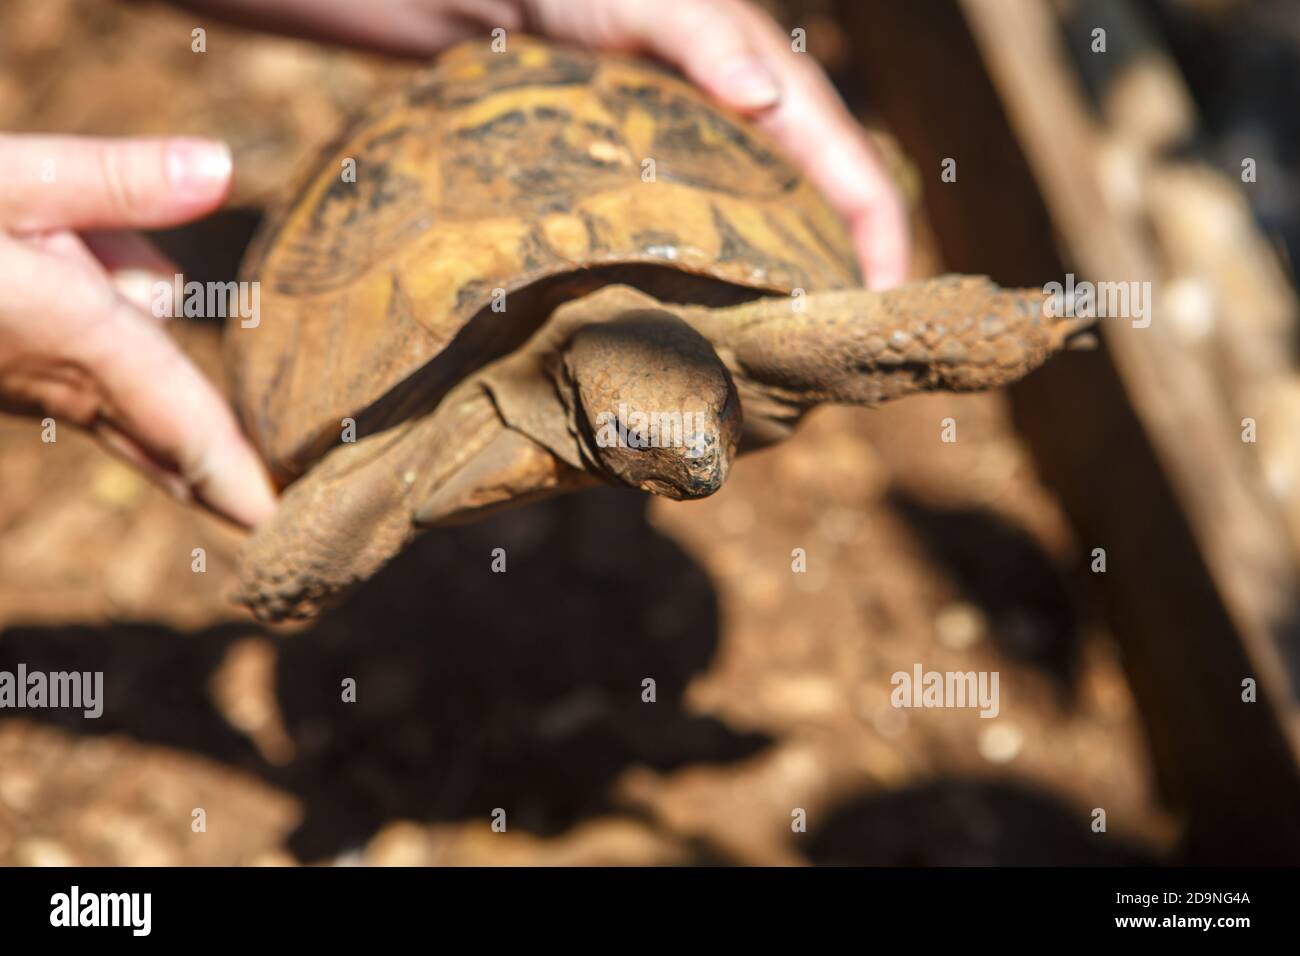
(492, 172)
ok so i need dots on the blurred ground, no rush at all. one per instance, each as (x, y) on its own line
(523, 691)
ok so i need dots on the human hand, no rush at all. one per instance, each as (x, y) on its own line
(731, 48)
(78, 341)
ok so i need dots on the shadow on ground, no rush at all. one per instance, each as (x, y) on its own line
(523, 689)
(475, 689)
(953, 822)
(1003, 570)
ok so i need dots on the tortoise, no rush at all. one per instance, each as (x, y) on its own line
(536, 270)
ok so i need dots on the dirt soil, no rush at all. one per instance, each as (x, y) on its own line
(523, 690)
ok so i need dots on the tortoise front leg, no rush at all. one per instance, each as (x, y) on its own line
(957, 333)
(344, 519)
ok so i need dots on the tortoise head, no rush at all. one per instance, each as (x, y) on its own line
(651, 404)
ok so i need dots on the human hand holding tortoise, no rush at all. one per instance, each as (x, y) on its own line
(78, 341)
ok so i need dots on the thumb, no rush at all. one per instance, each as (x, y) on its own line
(165, 406)
(82, 182)
(154, 405)
(705, 40)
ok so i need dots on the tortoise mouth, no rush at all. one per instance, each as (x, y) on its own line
(688, 466)
(682, 467)
(691, 484)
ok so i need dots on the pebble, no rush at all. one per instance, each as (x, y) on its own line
(1189, 301)
(802, 697)
(38, 851)
(399, 844)
(960, 625)
(117, 485)
(17, 789)
(1001, 742)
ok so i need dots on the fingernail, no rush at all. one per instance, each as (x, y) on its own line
(198, 166)
(748, 84)
(238, 488)
(880, 272)
(137, 286)
(882, 281)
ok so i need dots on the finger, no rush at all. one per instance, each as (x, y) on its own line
(75, 182)
(390, 26)
(122, 250)
(816, 130)
(840, 161)
(153, 394)
(740, 55)
(134, 264)
(701, 38)
(851, 174)
(880, 233)
(63, 244)
(126, 448)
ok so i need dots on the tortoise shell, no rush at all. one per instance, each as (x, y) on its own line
(491, 173)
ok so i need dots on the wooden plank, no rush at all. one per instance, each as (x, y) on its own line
(1175, 390)
(1200, 587)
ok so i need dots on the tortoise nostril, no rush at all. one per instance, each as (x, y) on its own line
(704, 485)
(688, 485)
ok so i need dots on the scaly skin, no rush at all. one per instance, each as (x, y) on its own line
(955, 333)
(511, 433)
(342, 521)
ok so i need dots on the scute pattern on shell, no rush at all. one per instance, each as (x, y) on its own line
(493, 171)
